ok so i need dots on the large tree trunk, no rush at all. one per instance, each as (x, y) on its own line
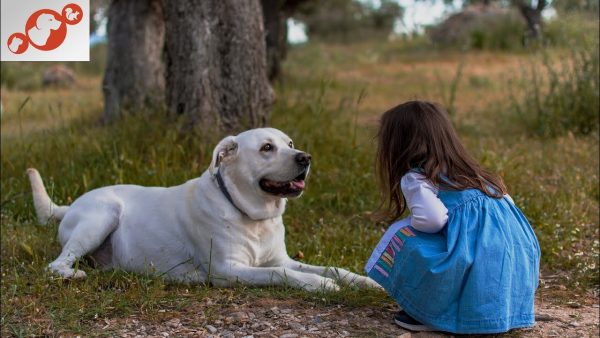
(134, 76)
(216, 70)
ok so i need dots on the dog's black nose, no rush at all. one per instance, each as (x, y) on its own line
(303, 159)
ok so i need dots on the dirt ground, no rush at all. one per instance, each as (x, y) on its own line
(295, 319)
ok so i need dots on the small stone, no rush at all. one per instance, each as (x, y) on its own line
(405, 335)
(289, 335)
(575, 324)
(211, 329)
(574, 305)
(343, 322)
(286, 310)
(543, 317)
(58, 75)
(227, 334)
(250, 336)
(174, 323)
(239, 315)
(295, 326)
(275, 310)
(255, 326)
(228, 320)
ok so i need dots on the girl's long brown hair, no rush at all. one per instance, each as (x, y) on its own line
(419, 135)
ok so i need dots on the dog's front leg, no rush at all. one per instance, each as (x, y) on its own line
(337, 274)
(232, 273)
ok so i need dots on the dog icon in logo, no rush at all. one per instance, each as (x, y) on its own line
(45, 29)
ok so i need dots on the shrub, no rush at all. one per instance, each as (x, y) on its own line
(571, 29)
(565, 98)
(481, 27)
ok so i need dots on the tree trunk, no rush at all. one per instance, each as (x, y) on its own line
(134, 75)
(275, 15)
(216, 70)
(532, 16)
(275, 22)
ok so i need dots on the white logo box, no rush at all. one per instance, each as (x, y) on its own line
(76, 45)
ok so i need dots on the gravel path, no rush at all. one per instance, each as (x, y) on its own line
(296, 319)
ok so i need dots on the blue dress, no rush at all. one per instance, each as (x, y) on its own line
(477, 275)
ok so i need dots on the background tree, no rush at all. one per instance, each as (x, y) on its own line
(275, 16)
(134, 75)
(590, 6)
(348, 20)
(216, 69)
(531, 12)
(532, 16)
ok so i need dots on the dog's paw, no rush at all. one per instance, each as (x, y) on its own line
(366, 282)
(66, 273)
(369, 283)
(329, 285)
(321, 284)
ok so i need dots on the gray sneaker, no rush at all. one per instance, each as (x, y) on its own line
(405, 321)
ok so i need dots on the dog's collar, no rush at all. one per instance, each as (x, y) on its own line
(223, 189)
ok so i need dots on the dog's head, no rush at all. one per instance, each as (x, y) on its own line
(47, 21)
(260, 169)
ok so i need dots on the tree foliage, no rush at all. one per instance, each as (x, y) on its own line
(348, 19)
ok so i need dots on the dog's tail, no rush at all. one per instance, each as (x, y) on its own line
(45, 209)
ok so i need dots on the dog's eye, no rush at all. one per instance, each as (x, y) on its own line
(267, 147)
(291, 144)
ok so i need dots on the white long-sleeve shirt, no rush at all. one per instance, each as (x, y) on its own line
(427, 212)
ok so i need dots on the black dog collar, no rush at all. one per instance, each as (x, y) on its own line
(223, 189)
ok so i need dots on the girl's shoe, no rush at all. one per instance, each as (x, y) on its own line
(405, 321)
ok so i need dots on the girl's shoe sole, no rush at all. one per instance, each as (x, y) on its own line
(415, 328)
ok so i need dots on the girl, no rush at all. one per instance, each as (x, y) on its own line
(466, 260)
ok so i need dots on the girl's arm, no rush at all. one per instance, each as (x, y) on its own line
(428, 213)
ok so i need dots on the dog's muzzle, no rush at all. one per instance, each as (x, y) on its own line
(291, 188)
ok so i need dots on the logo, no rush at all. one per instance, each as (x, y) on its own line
(58, 31)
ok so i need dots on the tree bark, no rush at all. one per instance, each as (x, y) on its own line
(216, 70)
(134, 75)
(275, 15)
(275, 22)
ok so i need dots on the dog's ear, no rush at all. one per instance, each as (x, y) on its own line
(227, 148)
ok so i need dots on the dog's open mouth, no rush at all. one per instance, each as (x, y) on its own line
(288, 188)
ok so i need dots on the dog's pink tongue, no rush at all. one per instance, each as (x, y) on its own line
(298, 184)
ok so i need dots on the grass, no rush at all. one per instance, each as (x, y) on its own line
(569, 101)
(328, 103)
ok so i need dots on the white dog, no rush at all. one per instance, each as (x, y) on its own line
(40, 33)
(224, 227)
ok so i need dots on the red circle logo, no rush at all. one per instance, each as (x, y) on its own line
(17, 43)
(72, 14)
(45, 29)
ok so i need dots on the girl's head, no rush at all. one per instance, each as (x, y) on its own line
(419, 135)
